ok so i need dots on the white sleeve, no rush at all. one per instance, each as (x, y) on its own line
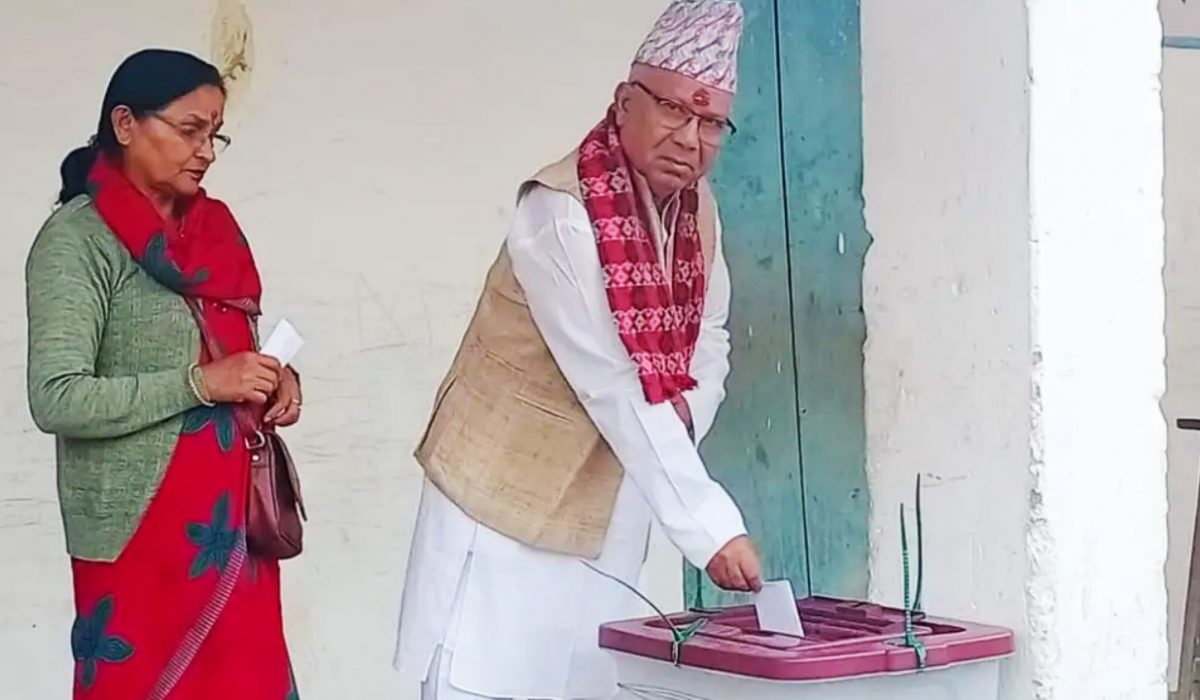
(710, 364)
(555, 261)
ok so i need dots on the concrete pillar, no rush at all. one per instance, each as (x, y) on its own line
(1014, 302)
(1098, 529)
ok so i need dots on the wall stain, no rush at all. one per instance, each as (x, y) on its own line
(233, 47)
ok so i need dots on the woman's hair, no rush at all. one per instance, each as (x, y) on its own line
(146, 82)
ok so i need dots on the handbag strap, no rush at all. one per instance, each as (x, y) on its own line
(250, 426)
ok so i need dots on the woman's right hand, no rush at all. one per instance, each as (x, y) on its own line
(246, 377)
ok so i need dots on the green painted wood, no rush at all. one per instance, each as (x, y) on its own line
(821, 106)
(789, 443)
(753, 446)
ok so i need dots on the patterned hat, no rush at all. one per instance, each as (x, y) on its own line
(699, 39)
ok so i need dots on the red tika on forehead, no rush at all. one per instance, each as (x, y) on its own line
(701, 98)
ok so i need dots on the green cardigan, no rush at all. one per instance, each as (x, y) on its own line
(109, 353)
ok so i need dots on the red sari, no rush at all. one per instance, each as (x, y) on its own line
(185, 613)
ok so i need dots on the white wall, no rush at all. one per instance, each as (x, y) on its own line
(946, 298)
(1181, 113)
(1014, 305)
(376, 152)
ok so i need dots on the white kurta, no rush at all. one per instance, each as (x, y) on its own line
(518, 622)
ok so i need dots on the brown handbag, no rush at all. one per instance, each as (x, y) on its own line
(274, 506)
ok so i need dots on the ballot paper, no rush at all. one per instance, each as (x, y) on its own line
(283, 343)
(777, 610)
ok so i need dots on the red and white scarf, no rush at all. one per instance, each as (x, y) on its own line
(658, 320)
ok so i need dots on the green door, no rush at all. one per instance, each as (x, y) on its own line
(789, 441)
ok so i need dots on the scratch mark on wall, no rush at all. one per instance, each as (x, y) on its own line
(16, 513)
(377, 299)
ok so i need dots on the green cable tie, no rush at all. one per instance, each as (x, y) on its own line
(918, 604)
(910, 637)
(683, 636)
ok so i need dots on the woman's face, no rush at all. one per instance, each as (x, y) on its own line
(170, 151)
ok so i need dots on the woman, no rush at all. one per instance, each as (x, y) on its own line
(152, 472)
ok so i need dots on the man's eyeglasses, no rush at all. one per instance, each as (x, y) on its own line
(676, 116)
(196, 136)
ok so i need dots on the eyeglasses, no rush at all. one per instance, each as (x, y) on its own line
(675, 116)
(197, 137)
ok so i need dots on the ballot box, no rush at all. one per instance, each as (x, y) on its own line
(850, 651)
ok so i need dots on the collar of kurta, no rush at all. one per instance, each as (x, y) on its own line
(661, 220)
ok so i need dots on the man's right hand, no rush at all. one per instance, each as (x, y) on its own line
(737, 567)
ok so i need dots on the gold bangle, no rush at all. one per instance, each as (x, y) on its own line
(196, 382)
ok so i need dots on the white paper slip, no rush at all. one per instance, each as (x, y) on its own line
(777, 610)
(283, 343)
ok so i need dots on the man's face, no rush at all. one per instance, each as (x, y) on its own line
(671, 127)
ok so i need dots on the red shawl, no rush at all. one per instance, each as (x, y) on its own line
(206, 257)
(658, 320)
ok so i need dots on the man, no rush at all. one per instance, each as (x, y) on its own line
(594, 365)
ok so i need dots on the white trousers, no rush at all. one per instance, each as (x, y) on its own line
(437, 684)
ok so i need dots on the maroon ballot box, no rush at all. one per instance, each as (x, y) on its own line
(851, 651)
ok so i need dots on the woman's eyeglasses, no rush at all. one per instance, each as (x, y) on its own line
(196, 136)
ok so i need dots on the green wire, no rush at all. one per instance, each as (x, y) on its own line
(910, 637)
(679, 637)
(918, 605)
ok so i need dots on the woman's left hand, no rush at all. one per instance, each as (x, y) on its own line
(285, 405)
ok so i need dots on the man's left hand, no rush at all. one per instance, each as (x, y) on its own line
(684, 412)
